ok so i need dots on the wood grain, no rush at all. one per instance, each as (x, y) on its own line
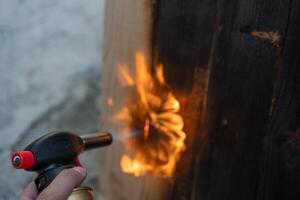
(186, 68)
(184, 34)
(242, 85)
(281, 166)
(239, 95)
(128, 30)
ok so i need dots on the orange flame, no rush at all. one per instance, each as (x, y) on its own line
(153, 112)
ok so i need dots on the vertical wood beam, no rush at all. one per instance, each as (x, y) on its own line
(178, 35)
(183, 36)
(242, 85)
(281, 162)
(128, 30)
(251, 98)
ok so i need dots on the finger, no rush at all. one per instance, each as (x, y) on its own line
(62, 186)
(29, 193)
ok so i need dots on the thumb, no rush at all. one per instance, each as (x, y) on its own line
(61, 187)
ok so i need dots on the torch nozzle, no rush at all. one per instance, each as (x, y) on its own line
(96, 140)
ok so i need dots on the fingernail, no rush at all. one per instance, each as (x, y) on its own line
(81, 170)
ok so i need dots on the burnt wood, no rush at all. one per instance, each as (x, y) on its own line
(238, 85)
(242, 148)
(183, 33)
(280, 177)
(251, 84)
(247, 98)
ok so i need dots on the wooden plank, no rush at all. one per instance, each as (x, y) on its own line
(196, 18)
(127, 31)
(184, 32)
(239, 98)
(190, 38)
(183, 37)
(281, 165)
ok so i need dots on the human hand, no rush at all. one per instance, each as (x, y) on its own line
(59, 189)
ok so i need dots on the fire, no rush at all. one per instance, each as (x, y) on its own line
(152, 115)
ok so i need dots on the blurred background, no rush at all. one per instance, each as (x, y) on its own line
(50, 67)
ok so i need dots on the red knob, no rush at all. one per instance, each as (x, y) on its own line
(23, 159)
(78, 163)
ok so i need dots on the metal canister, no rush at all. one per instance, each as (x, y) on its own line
(82, 193)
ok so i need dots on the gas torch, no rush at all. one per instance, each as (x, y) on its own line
(56, 151)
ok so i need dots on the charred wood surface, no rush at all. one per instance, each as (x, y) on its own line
(234, 67)
(182, 42)
(252, 100)
(280, 177)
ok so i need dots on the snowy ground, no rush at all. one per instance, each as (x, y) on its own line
(49, 76)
